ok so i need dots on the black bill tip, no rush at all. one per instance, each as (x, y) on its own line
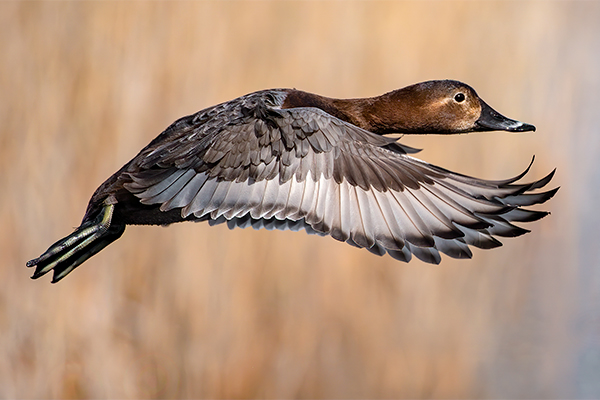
(492, 120)
(520, 127)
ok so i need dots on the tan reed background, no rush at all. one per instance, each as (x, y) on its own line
(193, 311)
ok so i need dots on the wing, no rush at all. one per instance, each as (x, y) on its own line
(252, 164)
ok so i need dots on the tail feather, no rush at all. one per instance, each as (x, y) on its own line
(87, 240)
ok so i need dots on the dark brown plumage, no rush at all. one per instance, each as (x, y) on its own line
(286, 159)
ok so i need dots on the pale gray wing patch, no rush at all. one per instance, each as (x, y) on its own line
(163, 190)
(201, 199)
(187, 194)
(422, 222)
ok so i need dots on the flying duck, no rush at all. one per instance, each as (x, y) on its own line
(288, 159)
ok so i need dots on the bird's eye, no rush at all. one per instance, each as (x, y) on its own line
(459, 97)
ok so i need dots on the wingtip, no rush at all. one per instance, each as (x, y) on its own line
(550, 194)
(544, 181)
(542, 214)
(520, 232)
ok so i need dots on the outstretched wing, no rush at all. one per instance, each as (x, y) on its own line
(253, 164)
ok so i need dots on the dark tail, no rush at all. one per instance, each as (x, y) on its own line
(68, 253)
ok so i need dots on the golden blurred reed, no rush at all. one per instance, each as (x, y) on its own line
(199, 311)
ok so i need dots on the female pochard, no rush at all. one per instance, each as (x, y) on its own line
(287, 159)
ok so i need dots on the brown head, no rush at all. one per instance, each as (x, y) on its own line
(444, 107)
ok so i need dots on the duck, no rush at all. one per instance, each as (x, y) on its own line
(291, 160)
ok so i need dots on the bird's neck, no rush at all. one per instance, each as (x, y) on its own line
(382, 114)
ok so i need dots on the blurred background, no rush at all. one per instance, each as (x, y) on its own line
(193, 311)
